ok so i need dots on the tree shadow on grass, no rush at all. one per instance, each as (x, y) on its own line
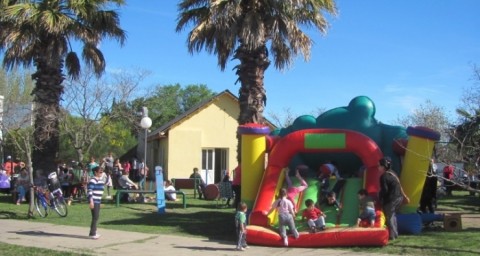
(9, 215)
(215, 225)
(6, 198)
(463, 203)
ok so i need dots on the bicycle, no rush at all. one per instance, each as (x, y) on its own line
(54, 200)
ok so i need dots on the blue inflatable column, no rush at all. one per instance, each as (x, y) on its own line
(160, 191)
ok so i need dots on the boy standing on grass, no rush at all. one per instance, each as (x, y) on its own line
(241, 225)
(95, 193)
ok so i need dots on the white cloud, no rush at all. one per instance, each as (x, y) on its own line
(393, 88)
(408, 102)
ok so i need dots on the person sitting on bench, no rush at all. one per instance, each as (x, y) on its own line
(168, 186)
(125, 183)
(201, 183)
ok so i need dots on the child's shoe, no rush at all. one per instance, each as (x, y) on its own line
(285, 241)
(240, 249)
(296, 235)
(312, 230)
(95, 237)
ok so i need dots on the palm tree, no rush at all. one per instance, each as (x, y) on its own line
(41, 33)
(243, 29)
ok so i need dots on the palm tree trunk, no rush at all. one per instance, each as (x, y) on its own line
(48, 89)
(252, 95)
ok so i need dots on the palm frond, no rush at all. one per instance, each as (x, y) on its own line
(72, 64)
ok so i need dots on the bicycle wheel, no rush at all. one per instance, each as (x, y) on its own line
(41, 206)
(60, 206)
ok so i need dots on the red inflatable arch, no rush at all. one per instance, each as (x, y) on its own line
(313, 141)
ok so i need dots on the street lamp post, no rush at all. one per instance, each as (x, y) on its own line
(145, 123)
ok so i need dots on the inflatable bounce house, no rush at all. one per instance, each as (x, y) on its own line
(356, 141)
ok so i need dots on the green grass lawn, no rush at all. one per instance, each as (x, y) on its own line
(198, 219)
(203, 219)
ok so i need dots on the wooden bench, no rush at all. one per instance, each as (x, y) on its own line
(123, 191)
(190, 183)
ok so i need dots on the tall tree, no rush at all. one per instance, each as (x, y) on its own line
(242, 29)
(89, 104)
(428, 115)
(15, 87)
(169, 101)
(466, 135)
(40, 33)
(434, 117)
(16, 121)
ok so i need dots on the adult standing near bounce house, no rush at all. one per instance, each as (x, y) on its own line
(236, 185)
(448, 172)
(429, 192)
(391, 195)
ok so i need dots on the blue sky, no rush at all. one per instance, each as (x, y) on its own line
(398, 53)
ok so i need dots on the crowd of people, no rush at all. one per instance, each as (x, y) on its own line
(14, 179)
(74, 176)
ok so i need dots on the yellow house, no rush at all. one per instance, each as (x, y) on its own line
(203, 137)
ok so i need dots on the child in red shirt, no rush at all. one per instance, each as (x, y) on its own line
(314, 216)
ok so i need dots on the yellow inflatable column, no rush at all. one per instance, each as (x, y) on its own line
(417, 159)
(252, 159)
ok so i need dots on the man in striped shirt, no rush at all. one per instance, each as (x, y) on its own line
(95, 192)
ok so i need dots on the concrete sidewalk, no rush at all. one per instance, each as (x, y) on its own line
(112, 242)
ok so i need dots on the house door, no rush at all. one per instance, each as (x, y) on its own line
(208, 158)
(213, 163)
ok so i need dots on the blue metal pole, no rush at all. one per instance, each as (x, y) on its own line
(160, 191)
